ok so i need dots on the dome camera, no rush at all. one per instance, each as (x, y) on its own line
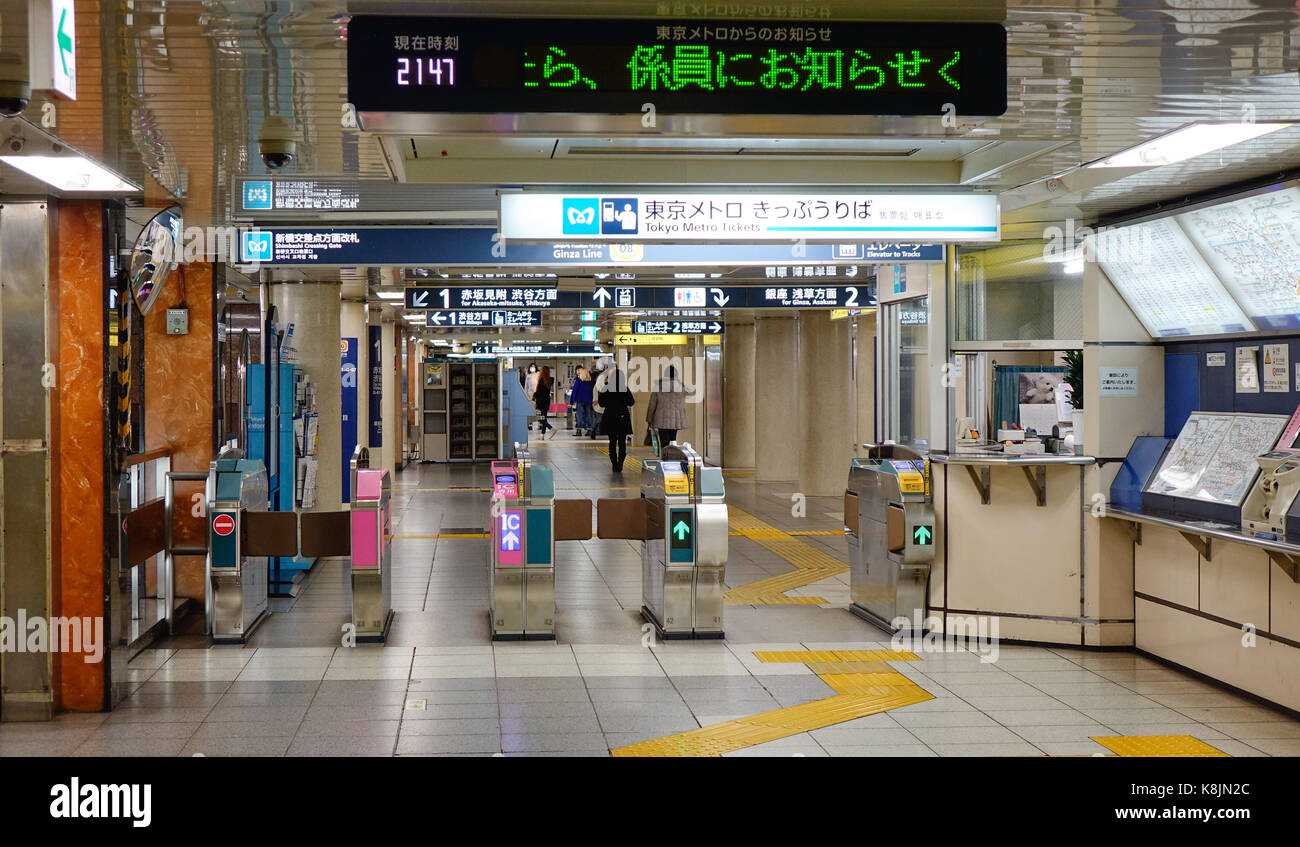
(15, 94)
(276, 144)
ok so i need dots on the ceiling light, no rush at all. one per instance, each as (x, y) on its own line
(1186, 143)
(70, 173)
(390, 295)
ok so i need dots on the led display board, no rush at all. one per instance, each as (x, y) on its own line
(430, 65)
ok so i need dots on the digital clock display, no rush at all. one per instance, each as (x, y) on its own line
(464, 65)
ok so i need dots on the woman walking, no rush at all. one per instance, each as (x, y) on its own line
(616, 423)
(666, 410)
(582, 399)
(542, 400)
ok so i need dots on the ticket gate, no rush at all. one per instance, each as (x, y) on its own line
(684, 559)
(889, 524)
(523, 549)
(237, 581)
(372, 530)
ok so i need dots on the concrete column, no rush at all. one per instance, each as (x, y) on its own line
(392, 445)
(313, 309)
(738, 431)
(864, 380)
(824, 392)
(777, 439)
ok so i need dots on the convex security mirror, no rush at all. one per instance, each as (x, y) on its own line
(153, 257)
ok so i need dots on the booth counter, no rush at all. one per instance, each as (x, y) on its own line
(1016, 539)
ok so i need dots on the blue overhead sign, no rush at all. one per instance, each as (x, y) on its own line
(499, 317)
(534, 297)
(481, 247)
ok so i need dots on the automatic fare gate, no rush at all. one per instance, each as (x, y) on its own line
(889, 523)
(527, 520)
(242, 533)
(681, 516)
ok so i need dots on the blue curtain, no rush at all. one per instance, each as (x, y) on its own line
(1006, 391)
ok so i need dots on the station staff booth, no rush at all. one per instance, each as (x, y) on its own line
(1172, 525)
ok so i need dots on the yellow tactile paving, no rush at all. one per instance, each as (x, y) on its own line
(875, 689)
(811, 565)
(1158, 746)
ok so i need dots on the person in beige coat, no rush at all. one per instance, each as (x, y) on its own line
(666, 410)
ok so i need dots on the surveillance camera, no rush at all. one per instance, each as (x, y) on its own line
(15, 94)
(15, 144)
(276, 143)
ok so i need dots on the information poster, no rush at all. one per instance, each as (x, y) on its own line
(1247, 370)
(1276, 374)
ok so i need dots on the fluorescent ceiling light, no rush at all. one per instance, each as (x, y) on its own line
(390, 295)
(70, 173)
(1186, 143)
(1074, 267)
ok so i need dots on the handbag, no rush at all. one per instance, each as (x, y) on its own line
(654, 439)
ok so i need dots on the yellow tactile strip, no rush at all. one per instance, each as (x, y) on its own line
(811, 565)
(865, 685)
(1158, 746)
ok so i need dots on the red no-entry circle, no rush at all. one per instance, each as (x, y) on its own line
(223, 525)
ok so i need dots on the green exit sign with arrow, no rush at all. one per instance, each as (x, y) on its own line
(52, 41)
(922, 535)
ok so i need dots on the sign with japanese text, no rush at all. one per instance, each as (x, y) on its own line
(546, 216)
(429, 65)
(798, 294)
(482, 318)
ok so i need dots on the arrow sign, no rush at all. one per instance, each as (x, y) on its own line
(437, 318)
(65, 42)
(420, 299)
(716, 327)
(681, 530)
(510, 541)
(922, 535)
(602, 296)
(719, 296)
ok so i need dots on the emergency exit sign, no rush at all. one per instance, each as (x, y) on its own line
(52, 40)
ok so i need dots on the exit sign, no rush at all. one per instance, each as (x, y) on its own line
(52, 40)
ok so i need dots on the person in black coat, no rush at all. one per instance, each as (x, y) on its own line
(542, 400)
(616, 400)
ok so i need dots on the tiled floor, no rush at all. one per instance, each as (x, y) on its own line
(441, 687)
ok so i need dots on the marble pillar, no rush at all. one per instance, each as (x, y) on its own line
(777, 439)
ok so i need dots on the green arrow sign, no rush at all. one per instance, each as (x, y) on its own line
(64, 41)
(680, 529)
(922, 535)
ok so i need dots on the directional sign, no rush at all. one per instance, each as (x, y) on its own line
(923, 535)
(794, 295)
(447, 247)
(483, 317)
(679, 327)
(510, 532)
(52, 34)
(524, 348)
(681, 529)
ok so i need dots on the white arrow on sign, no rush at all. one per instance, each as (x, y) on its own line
(717, 327)
(602, 296)
(437, 318)
(719, 296)
(510, 541)
(419, 299)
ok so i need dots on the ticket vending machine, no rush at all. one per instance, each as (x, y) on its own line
(684, 559)
(522, 586)
(889, 524)
(372, 532)
(237, 589)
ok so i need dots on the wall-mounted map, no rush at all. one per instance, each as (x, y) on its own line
(1166, 282)
(1213, 458)
(1253, 245)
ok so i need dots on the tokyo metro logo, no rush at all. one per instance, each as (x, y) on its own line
(580, 216)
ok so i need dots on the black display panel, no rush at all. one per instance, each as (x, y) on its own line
(555, 66)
